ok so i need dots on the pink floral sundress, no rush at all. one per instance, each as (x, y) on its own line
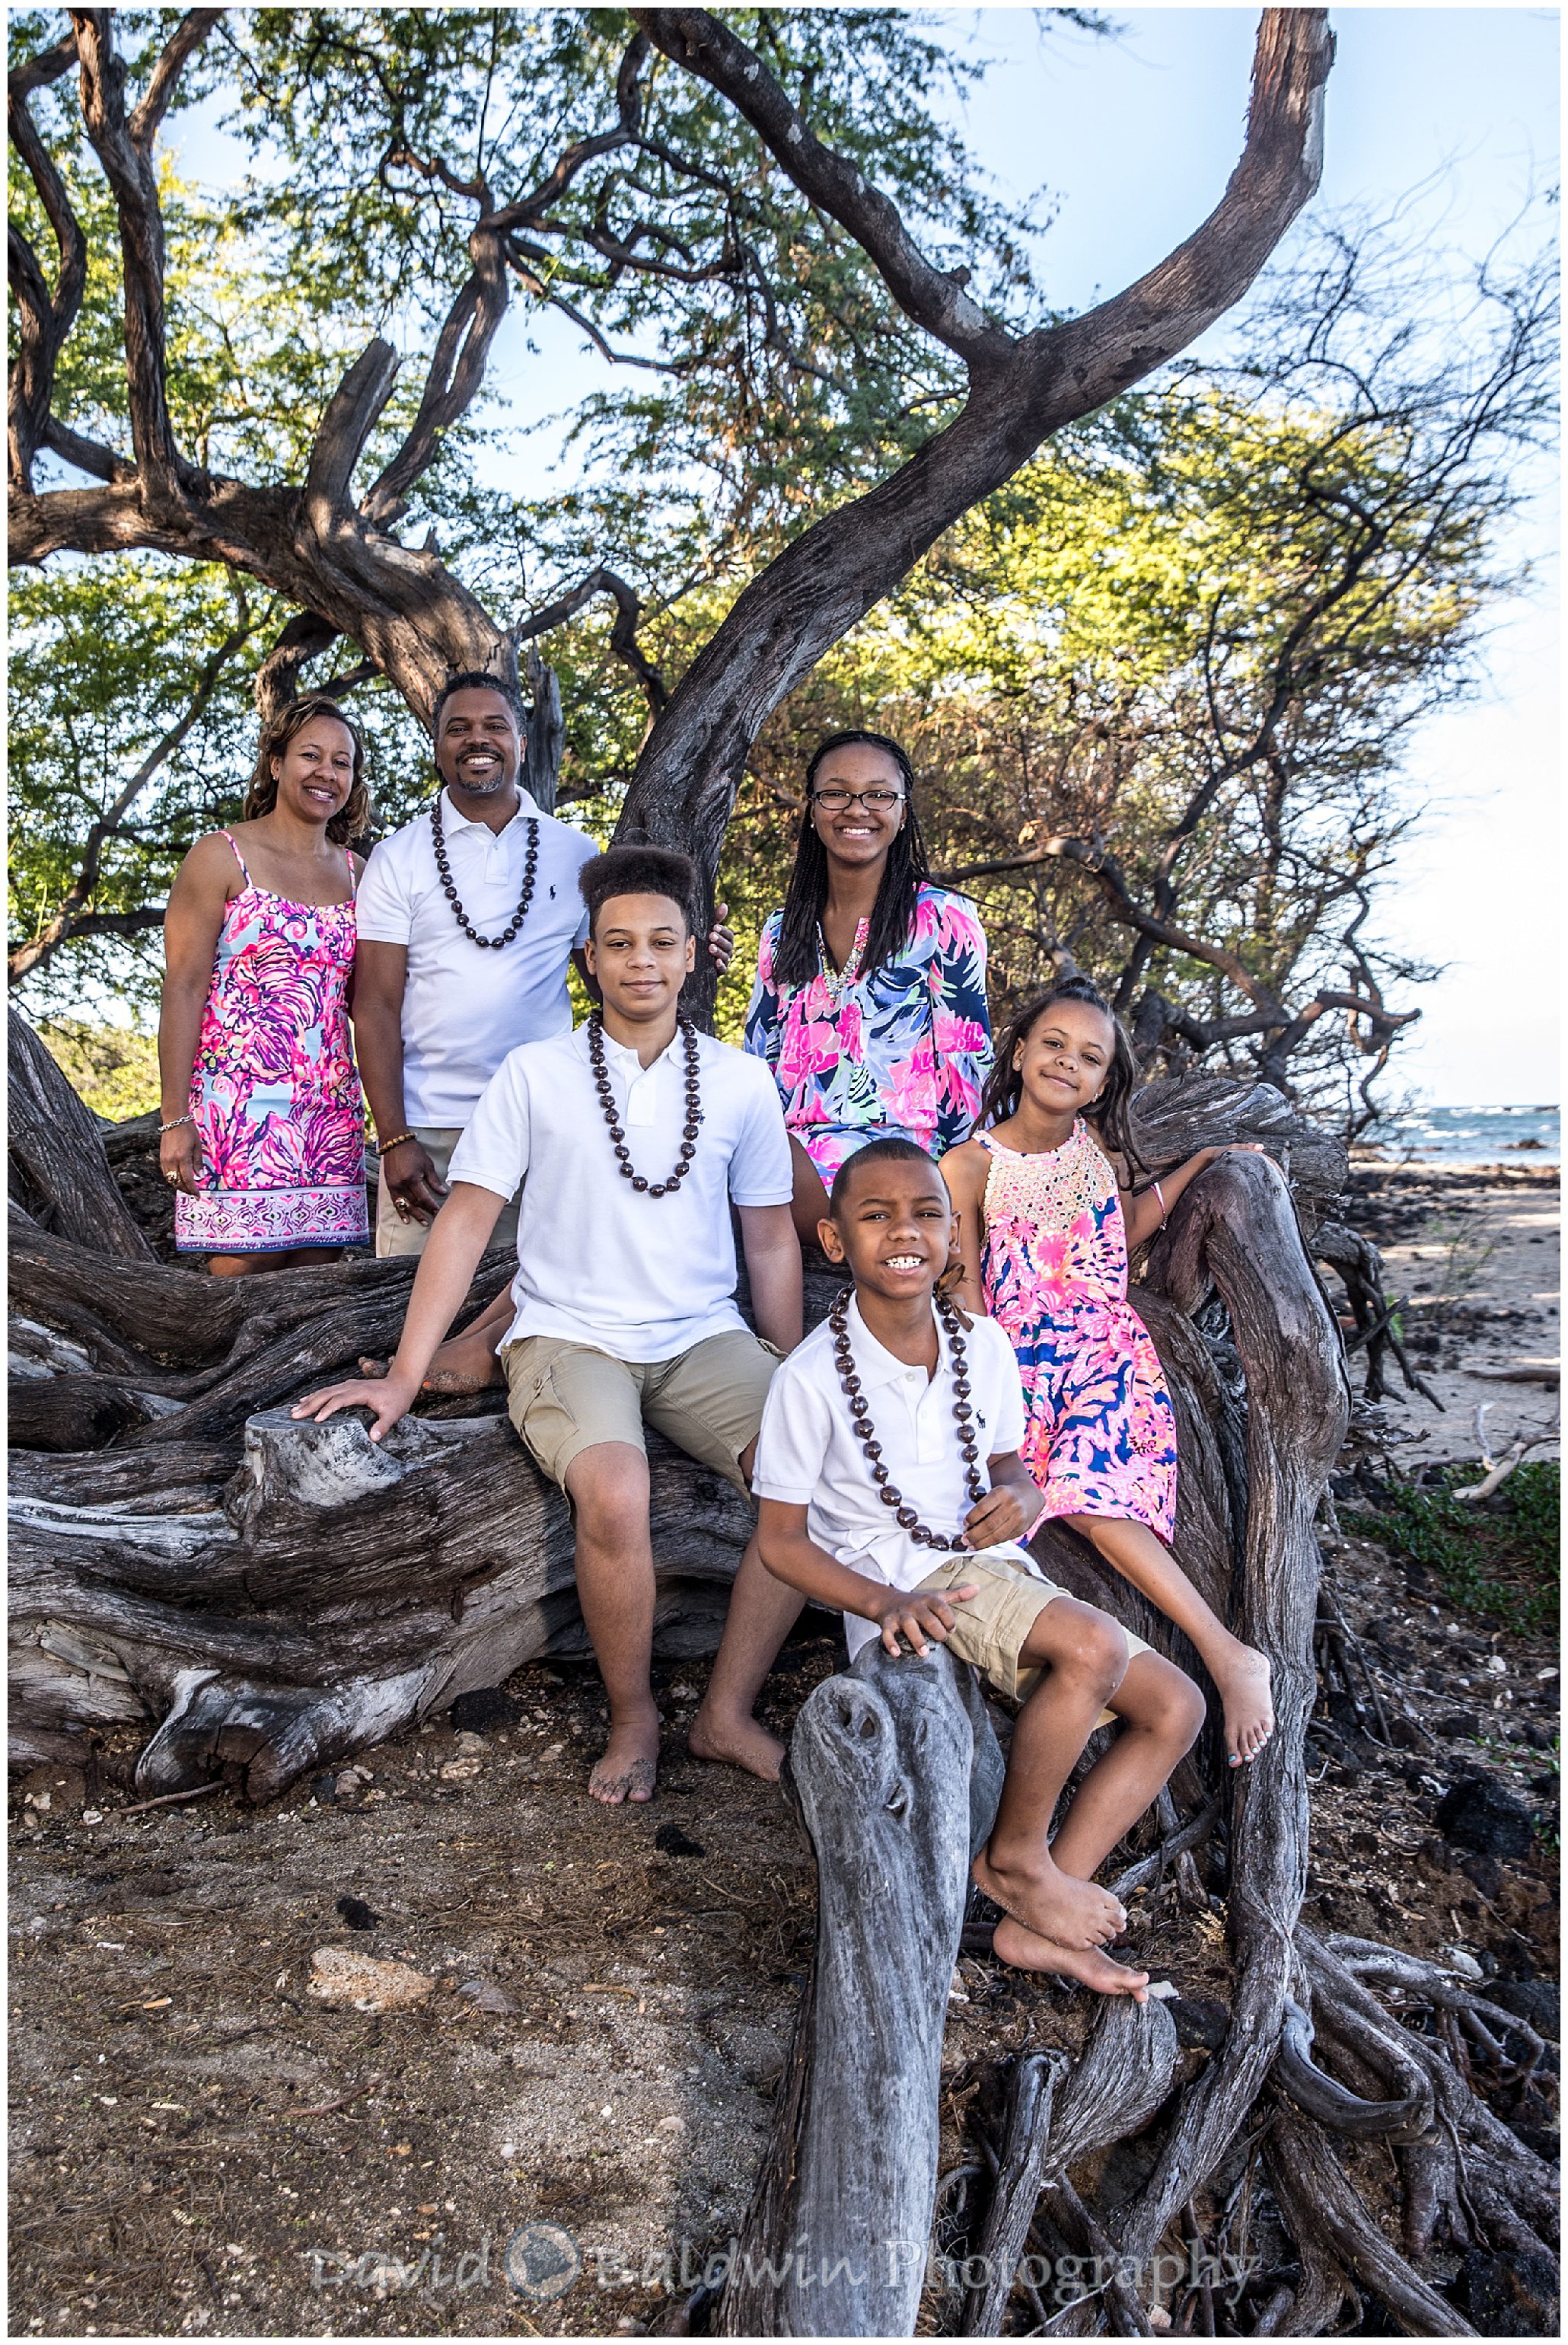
(1101, 1436)
(274, 1090)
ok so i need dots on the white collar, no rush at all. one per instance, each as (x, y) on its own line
(877, 1365)
(527, 808)
(623, 1056)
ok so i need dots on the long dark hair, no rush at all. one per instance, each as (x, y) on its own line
(893, 917)
(352, 820)
(1110, 1113)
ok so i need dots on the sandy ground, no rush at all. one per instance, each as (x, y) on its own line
(201, 2147)
(1476, 1257)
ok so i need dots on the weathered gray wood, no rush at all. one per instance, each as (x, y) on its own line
(54, 1141)
(881, 1760)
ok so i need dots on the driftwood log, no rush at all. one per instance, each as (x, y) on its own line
(259, 1596)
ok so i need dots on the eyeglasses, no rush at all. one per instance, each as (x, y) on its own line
(836, 800)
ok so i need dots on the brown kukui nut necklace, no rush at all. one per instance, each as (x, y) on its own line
(617, 1131)
(448, 885)
(844, 1361)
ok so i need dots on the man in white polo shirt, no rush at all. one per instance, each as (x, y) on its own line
(468, 918)
(632, 1138)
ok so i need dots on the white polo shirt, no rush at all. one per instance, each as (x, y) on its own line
(808, 1453)
(599, 1262)
(464, 1006)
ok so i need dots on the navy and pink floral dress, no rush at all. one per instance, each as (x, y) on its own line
(1101, 1436)
(274, 1092)
(900, 1051)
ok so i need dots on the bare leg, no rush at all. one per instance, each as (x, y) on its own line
(465, 1363)
(1083, 1654)
(245, 1265)
(809, 1203)
(1241, 1675)
(1161, 1711)
(762, 1613)
(608, 1487)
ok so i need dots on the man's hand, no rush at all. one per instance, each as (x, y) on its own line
(916, 1617)
(389, 1396)
(1003, 1514)
(412, 1181)
(721, 940)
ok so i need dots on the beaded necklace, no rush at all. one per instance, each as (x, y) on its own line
(666, 1188)
(865, 1432)
(838, 981)
(444, 872)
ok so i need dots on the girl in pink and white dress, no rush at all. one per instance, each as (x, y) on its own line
(1045, 1237)
(264, 1125)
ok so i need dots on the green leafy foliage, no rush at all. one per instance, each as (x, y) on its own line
(1499, 1559)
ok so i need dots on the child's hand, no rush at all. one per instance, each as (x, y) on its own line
(916, 1617)
(1001, 1515)
(390, 1397)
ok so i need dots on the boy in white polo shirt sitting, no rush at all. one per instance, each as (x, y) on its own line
(891, 1487)
(635, 1133)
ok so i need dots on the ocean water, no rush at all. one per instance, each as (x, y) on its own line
(1471, 1136)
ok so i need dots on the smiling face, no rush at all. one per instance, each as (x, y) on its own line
(894, 1228)
(1065, 1057)
(640, 950)
(479, 746)
(858, 833)
(315, 771)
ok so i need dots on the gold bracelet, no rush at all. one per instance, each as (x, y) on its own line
(386, 1146)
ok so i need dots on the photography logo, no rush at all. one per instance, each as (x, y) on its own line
(542, 2262)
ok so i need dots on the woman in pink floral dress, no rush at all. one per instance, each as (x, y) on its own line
(1045, 1239)
(264, 1130)
(870, 999)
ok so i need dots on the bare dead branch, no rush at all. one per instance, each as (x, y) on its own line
(622, 634)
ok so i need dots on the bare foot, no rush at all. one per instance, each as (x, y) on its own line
(736, 1742)
(1051, 1903)
(1026, 1950)
(631, 1761)
(1243, 1680)
(463, 1364)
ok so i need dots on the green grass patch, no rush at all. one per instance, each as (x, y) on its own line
(1498, 1560)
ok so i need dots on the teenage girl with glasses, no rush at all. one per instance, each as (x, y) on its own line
(870, 999)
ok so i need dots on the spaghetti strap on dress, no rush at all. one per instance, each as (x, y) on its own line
(274, 1093)
(1101, 1436)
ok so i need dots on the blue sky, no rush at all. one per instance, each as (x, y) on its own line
(1135, 138)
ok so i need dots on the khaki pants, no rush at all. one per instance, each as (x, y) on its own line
(396, 1236)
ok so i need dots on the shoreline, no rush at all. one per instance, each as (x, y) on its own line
(1470, 1256)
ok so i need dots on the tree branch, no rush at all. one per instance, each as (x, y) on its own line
(45, 318)
(932, 297)
(622, 634)
(350, 420)
(188, 36)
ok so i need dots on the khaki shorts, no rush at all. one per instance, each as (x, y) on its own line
(991, 1627)
(396, 1236)
(565, 1397)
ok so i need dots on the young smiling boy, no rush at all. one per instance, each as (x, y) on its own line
(635, 1133)
(868, 1464)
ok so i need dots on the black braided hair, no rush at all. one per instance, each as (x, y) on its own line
(1110, 1113)
(893, 917)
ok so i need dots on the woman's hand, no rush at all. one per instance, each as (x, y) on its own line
(180, 1159)
(414, 1185)
(389, 1396)
(916, 1617)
